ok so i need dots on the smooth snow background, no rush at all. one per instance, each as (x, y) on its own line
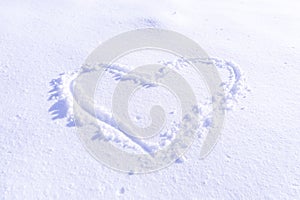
(258, 152)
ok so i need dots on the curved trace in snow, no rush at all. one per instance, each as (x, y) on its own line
(234, 86)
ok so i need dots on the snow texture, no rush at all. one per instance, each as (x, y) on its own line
(257, 155)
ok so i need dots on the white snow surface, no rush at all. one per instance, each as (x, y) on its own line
(258, 153)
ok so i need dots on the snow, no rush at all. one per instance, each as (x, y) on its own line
(255, 43)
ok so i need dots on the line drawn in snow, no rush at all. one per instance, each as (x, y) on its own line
(113, 136)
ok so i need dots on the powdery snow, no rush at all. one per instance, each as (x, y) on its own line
(257, 155)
